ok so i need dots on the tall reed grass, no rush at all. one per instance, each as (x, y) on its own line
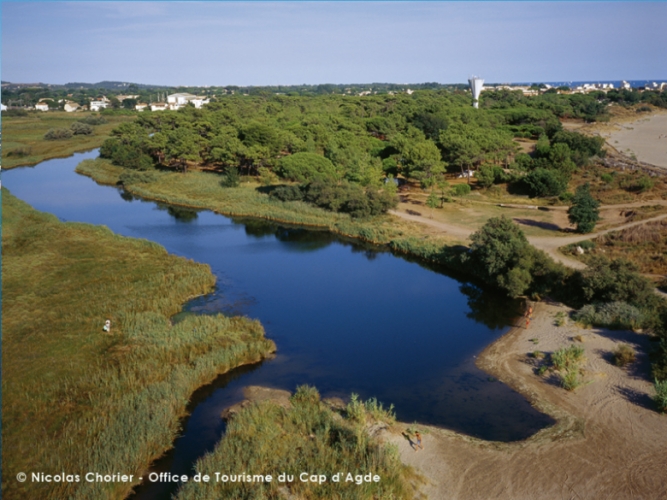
(77, 399)
(267, 439)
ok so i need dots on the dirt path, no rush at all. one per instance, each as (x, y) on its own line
(609, 443)
(548, 244)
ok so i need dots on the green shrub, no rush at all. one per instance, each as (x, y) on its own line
(624, 354)
(57, 134)
(79, 128)
(93, 120)
(461, 189)
(607, 178)
(645, 183)
(231, 179)
(567, 358)
(660, 397)
(20, 152)
(543, 182)
(571, 379)
(287, 193)
(566, 196)
(617, 315)
(15, 112)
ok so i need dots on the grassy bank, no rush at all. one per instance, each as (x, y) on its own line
(308, 436)
(23, 140)
(77, 399)
(203, 190)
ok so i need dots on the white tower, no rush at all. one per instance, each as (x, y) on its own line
(476, 85)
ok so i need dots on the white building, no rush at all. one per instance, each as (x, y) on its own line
(71, 106)
(140, 107)
(177, 101)
(41, 106)
(99, 104)
(159, 106)
(3, 107)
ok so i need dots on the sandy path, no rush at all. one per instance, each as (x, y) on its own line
(609, 443)
(646, 138)
(548, 244)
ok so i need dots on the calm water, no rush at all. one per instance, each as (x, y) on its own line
(345, 317)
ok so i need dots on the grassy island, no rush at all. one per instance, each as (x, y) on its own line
(76, 398)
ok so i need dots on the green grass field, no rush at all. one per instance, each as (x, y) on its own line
(77, 399)
(23, 140)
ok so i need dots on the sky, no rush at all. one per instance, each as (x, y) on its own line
(285, 43)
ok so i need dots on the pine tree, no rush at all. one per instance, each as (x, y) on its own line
(584, 211)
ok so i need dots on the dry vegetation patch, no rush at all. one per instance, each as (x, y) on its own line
(645, 245)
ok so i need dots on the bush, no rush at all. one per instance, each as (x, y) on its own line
(15, 112)
(20, 152)
(57, 134)
(349, 198)
(660, 397)
(616, 315)
(79, 128)
(644, 183)
(543, 182)
(306, 167)
(570, 380)
(231, 179)
(461, 189)
(624, 354)
(615, 280)
(567, 358)
(287, 193)
(93, 120)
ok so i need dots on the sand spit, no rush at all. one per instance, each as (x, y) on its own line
(645, 138)
(609, 442)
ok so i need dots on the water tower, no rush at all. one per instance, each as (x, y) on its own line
(476, 85)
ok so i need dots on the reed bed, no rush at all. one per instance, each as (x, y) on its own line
(310, 437)
(77, 399)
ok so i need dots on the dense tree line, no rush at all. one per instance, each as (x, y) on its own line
(361, 140)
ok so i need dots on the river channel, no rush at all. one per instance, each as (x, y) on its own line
(346, 317)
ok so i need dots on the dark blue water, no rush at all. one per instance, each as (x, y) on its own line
(346, 317)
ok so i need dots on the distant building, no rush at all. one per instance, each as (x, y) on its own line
(159, 106)
(3, 107)
(177, 101)
(71, 106)
(41, 106)
(140, 107)
(99, 104)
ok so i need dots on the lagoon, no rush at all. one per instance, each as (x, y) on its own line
(346, 317)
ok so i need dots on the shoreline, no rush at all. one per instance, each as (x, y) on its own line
(607, 441)
(643, 136)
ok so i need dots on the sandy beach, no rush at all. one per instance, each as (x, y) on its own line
(608, 443)
(646, 138)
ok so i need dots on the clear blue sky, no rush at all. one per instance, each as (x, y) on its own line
(260, 43)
